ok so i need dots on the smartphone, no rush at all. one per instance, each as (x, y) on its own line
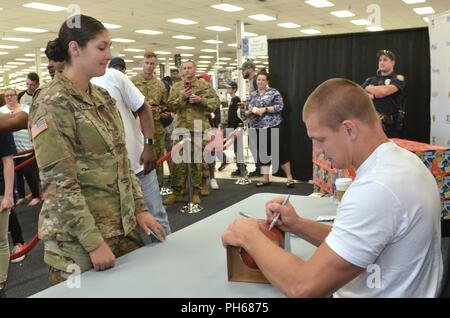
(187, 85)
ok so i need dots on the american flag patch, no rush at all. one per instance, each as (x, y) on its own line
(39, 127)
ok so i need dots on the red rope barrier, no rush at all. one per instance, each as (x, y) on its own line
(29, 246)
(23, 164)
(26, 249)
(24, 152)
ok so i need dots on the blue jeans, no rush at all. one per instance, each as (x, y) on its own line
(152, 198)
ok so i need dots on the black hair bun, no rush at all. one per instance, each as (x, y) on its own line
(55, 52)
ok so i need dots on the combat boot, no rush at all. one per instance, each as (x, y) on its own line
(205, 188)
(173, 198)
(196, 198)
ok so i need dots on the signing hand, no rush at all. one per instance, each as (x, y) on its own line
(146, 221)
(148, 158)
(288, 217)
(102, 257)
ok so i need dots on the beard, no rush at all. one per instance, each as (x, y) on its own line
(246, 76)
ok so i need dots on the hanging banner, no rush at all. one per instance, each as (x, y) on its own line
(257, 45)
(439, 31)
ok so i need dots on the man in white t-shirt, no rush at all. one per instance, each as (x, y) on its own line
(128, 100)
(386, 239)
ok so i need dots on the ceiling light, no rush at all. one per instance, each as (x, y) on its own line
(263, 57)
(16, 39)
(184, 37)
(343, 14)
(184, 60)
(248, 34)
(426, 19)
(33, 55)
(310, 31)
(134, 50)
(206, 57)
(120, 55)
(361, 22)
(413, 1)
(320, 3)
(122, 40)
(261, 17)
(227, 7)
(8, 47)
(185, 47)
(182, 21)
(208, 50)
(374, 28)
(186, 54)
(148, 32)
(16, 63)
(24, 59)
(288, 25)
(128, 61)
(204, 62)
(212, 41)
(233, 64)
(232, 45)
(30, 30)
(10, 66)
(138, 56)
(218, 28)
(162, 52)
(225, 58)
(43, 6)
(424, 10)
(111, 26)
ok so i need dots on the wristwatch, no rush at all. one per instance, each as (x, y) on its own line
(148, 141)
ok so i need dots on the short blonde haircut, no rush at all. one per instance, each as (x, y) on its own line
(338, 99)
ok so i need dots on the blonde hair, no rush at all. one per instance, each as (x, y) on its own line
(338, 99)
(150, 54)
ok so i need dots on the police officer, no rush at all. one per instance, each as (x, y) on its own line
(387, 90)
(153, 90)
(93, 200)
(190, 99)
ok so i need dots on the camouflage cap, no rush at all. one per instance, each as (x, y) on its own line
(247, 65)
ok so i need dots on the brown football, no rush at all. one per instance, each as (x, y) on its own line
(275, 235)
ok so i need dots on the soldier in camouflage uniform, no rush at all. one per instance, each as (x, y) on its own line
(190, 99)
(153, 90)
(93, 200)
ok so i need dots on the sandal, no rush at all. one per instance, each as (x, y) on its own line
(290, 184)
(263, 183)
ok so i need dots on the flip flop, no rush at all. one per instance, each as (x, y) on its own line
(262, 184)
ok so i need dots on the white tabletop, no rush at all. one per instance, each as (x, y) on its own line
(191, 262)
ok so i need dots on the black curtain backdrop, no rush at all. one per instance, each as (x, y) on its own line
(299, 65)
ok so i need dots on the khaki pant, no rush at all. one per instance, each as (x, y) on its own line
(4, 246)
(69, 253)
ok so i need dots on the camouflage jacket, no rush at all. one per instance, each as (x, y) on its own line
(89, 189)
(153, 90)
(186, 112)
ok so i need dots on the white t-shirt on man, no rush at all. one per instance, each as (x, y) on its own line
(389, 223)
(128, 99)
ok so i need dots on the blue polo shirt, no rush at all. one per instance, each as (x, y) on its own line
(7, 148)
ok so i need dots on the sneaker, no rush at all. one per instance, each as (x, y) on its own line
(223, 166)
(214, 184)
(16, 249)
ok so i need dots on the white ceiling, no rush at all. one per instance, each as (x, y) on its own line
(149, 14)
